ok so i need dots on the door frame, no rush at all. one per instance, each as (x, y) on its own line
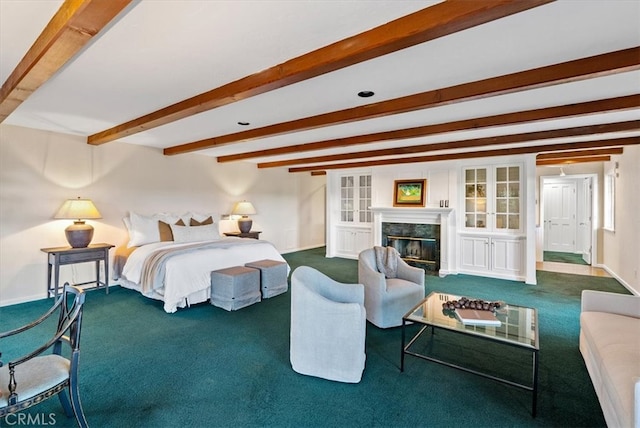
(594, 208)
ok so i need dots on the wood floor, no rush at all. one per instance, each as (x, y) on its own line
(571, 268)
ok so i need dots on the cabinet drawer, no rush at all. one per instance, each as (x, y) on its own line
(88, 256)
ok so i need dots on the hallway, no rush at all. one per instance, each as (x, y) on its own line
(572, 268)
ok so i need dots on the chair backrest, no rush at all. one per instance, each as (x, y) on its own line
(70, 319)
(319, 283)
(368, 258)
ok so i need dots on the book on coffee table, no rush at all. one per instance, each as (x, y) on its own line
(477, 317)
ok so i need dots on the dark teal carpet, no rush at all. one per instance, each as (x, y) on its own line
(556, 256)
(205, 367)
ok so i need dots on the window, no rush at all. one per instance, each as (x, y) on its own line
(609, 200)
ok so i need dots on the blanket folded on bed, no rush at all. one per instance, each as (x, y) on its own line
(387, 261)
(153, 271)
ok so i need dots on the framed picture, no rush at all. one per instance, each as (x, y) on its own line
(409, 193)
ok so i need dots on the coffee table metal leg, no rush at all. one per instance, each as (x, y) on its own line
(402, 349)
(534, 401)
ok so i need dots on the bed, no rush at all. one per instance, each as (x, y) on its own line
(177, 271)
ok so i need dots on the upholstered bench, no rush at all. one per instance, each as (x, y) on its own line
(273, 277)
(235, 287)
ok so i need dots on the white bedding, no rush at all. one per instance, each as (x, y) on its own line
(187, 276)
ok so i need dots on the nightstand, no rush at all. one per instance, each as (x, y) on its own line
(252, 234)
(59, 256)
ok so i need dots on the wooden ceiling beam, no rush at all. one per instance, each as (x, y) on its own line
(427, 24)
(70, 29)
(607, 105)
(578, 109)
(465, 144)
(569, 161)
(475, 154)
(580, 153)
(580, 69)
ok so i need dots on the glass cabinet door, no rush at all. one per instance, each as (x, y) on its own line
(346, 198)
(355, 199)
(364, 196)
(475, 197)
(507, 198)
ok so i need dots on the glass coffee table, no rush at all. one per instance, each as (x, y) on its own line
(518, 328)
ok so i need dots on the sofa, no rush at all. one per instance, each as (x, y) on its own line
(610, 346)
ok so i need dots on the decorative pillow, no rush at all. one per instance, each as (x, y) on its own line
(199, 217)
(194, 222)
(165, 230)
(207, 232)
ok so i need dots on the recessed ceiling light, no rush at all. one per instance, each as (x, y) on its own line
(244, 123)
(366, 94)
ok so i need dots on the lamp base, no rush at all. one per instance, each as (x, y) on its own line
(79, 234)
(244, 224)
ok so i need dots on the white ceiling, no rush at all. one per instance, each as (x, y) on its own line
(158, 52)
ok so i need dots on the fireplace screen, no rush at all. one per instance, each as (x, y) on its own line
(417, 243)
(424, 252)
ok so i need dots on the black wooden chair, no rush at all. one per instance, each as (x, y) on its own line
(30, 379)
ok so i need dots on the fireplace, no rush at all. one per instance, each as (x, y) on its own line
(418, 244)
(424, 237)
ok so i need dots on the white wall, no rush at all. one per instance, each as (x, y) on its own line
(39, 170)
(621, 248)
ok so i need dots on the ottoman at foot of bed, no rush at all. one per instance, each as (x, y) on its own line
(235, 287)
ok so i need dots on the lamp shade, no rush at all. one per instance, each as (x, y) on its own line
(244, 208)
(78, 234)
(78, 209)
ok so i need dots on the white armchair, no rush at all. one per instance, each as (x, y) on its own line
(387, 300)
(328, 326)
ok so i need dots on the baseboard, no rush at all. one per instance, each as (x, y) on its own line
(617, 277)
(310, 247)
(22, 300)
(36, 297)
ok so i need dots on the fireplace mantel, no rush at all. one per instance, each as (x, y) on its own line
(423, 215)
(426, 215)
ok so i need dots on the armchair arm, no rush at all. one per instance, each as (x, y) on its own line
(410, 273)
(345, 293)
(602, 301)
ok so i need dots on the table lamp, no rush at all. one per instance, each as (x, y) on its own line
(78, 234)
(244, 208)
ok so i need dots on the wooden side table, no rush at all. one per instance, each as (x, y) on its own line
(252, 234)
(59, 256)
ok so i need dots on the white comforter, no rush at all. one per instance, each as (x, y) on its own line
(187, 277)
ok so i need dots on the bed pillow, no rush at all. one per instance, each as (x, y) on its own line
(207, 232)
(144, 229)
(165, 230)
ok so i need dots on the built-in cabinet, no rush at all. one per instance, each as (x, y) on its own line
(352, 240)
(492, 256)
(352, 217)
(491, 237)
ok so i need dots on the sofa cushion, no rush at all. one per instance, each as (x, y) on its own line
(599, 326)
(620, 368)
(614, 344)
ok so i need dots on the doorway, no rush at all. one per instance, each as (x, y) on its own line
(568, 212)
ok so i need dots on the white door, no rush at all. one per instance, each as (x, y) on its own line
(584, 223)
(560, 217)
